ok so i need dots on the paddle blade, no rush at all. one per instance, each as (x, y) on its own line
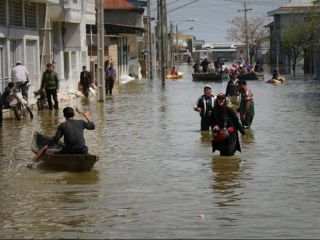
(39, 154)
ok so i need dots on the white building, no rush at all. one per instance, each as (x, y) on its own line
(41, 31)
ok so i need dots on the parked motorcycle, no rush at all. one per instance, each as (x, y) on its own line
(19, 105)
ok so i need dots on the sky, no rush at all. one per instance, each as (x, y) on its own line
(208, 19)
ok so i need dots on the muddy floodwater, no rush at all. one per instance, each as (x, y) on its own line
(157, 176)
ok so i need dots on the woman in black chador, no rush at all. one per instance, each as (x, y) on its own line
(225, 126)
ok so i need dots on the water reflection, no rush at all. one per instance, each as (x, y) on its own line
(205, 137)
(227, 175)
(249, 138)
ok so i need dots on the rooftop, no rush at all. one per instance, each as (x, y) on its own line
(119, 5)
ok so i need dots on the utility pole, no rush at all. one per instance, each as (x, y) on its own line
(150, 40)
(172, 61)
(162, 49)
(100, 68)
(245, 9)
(177, 41)
(166, 40)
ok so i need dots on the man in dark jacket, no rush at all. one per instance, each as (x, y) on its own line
(110, 78)
(72, 131)
(50, 83)
(85, 81)
(205, 64)
(232, 90)
(204, 106)
(5, 95)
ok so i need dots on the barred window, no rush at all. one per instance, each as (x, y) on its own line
(3, 12)
(15, 13)
(30, 15)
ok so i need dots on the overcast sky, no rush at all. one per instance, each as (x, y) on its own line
(212, 16)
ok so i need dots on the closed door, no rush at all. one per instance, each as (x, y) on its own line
(32, 66)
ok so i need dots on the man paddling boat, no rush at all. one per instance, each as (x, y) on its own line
(72, 131)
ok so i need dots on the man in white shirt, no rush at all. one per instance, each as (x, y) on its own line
(20, 78)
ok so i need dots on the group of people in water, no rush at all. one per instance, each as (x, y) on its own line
(220, 114)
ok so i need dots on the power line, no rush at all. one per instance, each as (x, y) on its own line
(182, 6)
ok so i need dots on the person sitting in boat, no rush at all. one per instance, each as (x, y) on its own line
(204, 106)
(72, 131)
(276, 77)
(211, 68)
(218, 63)
(241, 61)
(205, 64)
(174, 71)
(258, 68)
(246, 107)
(242, 69)
(225, 126)
(232, 90)
(196, 67)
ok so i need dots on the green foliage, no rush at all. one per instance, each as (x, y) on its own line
(294, 39)
(301, 35)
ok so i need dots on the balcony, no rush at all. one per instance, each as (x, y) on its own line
(46, 1)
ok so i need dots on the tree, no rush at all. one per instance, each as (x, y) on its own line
(256, 30)
(294, 40)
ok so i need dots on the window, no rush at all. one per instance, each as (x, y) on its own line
(30, 15)
(3, 12)
(15, 13)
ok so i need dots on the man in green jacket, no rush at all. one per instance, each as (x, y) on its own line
(50, 83)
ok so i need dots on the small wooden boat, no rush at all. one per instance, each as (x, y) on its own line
(63, 162)
(209, 76)
(173, 77)
(251, 76)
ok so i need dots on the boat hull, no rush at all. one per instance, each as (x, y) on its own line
(251, 76)
(68, 162)
(206, 77)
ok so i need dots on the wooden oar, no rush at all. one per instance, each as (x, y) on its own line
(84, 115)
(40, 153)
(78, 111)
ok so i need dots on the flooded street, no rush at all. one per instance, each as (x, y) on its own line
(157, 176)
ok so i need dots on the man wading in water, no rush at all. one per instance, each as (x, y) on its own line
(204, 106)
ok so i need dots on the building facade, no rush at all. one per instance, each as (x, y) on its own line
(37, 32)
(283, 18)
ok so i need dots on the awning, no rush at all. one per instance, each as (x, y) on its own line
(119, 28)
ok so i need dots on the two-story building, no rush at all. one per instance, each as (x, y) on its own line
(37, 32)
